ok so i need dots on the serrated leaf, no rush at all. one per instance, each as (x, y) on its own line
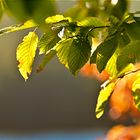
(46, 60)
(103, 98)
(90, 22)
(104, 52)
(129, 54)
(25, 54)
(136, 91)
(26, 25)
(56, 19)
(48, 41)
(73, 53)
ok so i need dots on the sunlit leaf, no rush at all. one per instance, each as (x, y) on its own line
(128, 68)
(103, 98)
(73, 53)
(57, 18)
(48, 41)
(46, 60)
(90, 22)
(111, 66)
(104, 52)
(25, 54)
(26, 25)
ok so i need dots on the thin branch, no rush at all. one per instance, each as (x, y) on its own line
(92, 28)
(130, 72)
(127, 73)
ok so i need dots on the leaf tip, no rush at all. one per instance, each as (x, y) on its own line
(99, 114)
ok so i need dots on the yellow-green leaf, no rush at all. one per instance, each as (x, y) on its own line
(102, 99)
(128, 68)
(90, 21)
(25, 54)
(57, 18)
(73, 53)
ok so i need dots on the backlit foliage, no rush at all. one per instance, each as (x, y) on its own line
(70, 36)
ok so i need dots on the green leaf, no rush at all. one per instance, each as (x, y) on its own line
(113, 20)
(103, 98)
(133, 30)
(129, 54)
(90, 22)
(26, 25)
(25, 54)
(114, 25)
(136, 91)
(56, 19)
(59, 21)
(73, 53)
(48, 41)
(111, 67)
(46, 60)
(104, 52)
(128, 68)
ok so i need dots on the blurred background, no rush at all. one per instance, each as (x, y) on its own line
(50, 101)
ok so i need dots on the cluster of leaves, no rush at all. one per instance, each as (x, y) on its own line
(119, 59)
(70, 38)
